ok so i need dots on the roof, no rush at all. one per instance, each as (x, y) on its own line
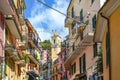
(107, 9)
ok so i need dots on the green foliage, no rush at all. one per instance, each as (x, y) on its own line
(100, 61)
(46, 45)
(25, 56)
(38, 56)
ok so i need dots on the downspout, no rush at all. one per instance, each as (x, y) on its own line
(108, 24)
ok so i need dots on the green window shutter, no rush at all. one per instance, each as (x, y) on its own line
(74, 67)
(81, 15)
(81, 36)
(84, 63)
(107, 49)
(94, 21)
(92, 1)
(6, 33)
(80, 64)
(95, 50)
(72, 13)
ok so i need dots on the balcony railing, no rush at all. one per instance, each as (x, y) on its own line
(81, 45)
(32, 51)
(12, 51)
(33, 55)
(34, 40)
(55, 62)
(55, 72)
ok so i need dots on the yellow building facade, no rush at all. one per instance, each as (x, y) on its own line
(56, 46)
(107, 32)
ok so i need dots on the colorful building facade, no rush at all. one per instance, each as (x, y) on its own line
(2, 40)
(81, 23)
(56, 46)
(46, 68)
(107, 32)
(20, 50)
(62, 72)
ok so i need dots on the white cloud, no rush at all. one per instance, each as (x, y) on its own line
(43, 19)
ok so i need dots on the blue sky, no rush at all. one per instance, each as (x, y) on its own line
(45, 20)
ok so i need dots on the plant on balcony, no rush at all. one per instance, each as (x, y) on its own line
(25, 56)
(99, 67)
(38, 56)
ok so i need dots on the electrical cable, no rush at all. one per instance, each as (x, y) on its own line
(51, 8)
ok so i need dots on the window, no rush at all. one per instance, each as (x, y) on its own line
(73, 47)
(107, 49)
(92, 1)
(6, 33)
(95, 49)
(72, 13)
(61, 56)
(82, 63)
(73, 68)
(73, 25)
(54, 41)
(81, 36)
(94, 22)
(61, 67)
(79, 0)
(81, 15)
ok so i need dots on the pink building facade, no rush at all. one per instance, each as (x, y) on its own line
(63, 74)
(1, 43)
(1, 34)
(82, 54)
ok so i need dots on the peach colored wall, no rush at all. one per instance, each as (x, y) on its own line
(89, 61)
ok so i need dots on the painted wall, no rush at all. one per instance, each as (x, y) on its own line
(89, 62)
(1, 34)
(115, 45)
(105, 67)
(56, 46)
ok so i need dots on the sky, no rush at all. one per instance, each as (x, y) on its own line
(45, 20)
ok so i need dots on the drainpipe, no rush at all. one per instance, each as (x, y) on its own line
(108, 24)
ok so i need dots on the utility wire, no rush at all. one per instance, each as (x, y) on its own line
(51, 8)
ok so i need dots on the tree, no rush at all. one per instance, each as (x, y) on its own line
(46, 45)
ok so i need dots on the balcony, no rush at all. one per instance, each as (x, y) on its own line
(13, 26)
(60, 70)
(55, 62)
(6, 7)
(24, 32)
(87, 40)
(33, 56)
(32, 39)
(21, 19)
(12, 52)
(69, 20)
(32, 71)
(21, 62)
(55, 72)
(22, 44)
